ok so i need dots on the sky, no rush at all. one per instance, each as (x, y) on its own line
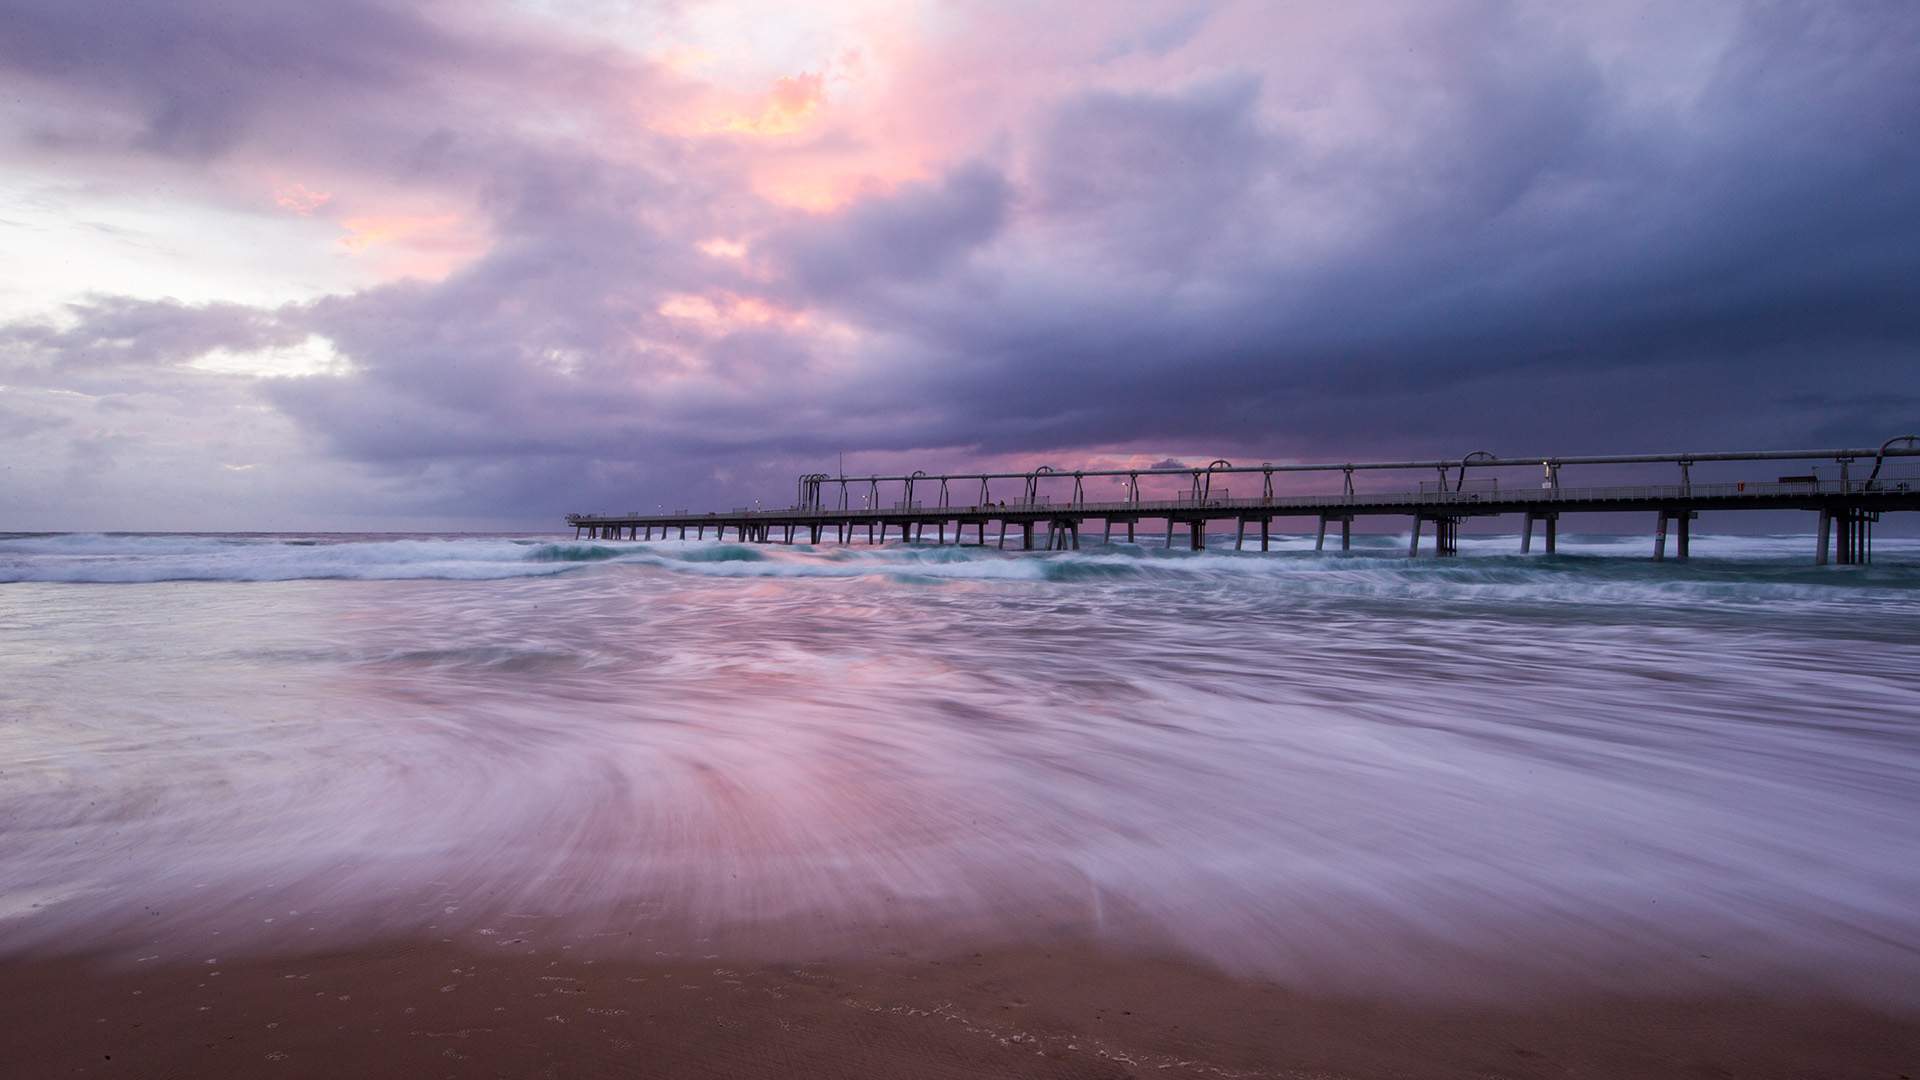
(365, 265)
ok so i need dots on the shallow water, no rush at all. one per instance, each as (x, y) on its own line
(1358, 771)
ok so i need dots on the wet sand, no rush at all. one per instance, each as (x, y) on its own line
(1055, 825)
(416, 1009)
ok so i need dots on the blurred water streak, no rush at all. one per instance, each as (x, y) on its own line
(1354, 770)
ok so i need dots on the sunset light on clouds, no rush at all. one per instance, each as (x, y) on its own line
(984, 232)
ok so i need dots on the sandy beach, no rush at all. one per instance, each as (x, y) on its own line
(503, 827)
(415, 1008)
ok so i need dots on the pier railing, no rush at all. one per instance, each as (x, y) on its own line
(1848, 505)
(1544, 496)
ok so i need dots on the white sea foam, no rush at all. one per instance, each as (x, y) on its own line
(1725, 567)
(118, 558)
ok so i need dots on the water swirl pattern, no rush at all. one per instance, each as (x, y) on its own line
(1360, 771)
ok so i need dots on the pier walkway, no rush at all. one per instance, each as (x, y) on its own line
(1861, 488)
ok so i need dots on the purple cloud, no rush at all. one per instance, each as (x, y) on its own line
(1468, 227)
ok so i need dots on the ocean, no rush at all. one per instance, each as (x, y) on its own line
(1358, 771)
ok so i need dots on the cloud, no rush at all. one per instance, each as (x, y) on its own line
(1268, 233)
(18, 424)
(1155, 177)
(907, 235)
(792, 102)
(112, 332)
(298, 199)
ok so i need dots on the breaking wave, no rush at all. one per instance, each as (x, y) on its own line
(1728, 569)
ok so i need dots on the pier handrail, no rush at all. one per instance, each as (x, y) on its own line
(1848, 507)
(809, 488)
(1479, 459)
(1182, 504)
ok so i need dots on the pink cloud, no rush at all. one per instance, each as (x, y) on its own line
(300, 199)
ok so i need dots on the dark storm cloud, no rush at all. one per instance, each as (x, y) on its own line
(1501, 237)
(902, 237)
(200, 74)
(1155, 177)
(375, 81)
(1542, 264)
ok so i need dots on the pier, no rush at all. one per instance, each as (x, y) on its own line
(1051, 508)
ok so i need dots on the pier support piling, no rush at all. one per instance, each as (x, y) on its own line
(1852, 530)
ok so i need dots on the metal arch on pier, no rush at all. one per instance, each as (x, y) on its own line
(1847, 507)
(1205, 490)
(1464, 462)
(1880, 456)
(1032, 496)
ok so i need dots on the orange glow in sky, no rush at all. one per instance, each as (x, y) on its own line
(794, 100)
